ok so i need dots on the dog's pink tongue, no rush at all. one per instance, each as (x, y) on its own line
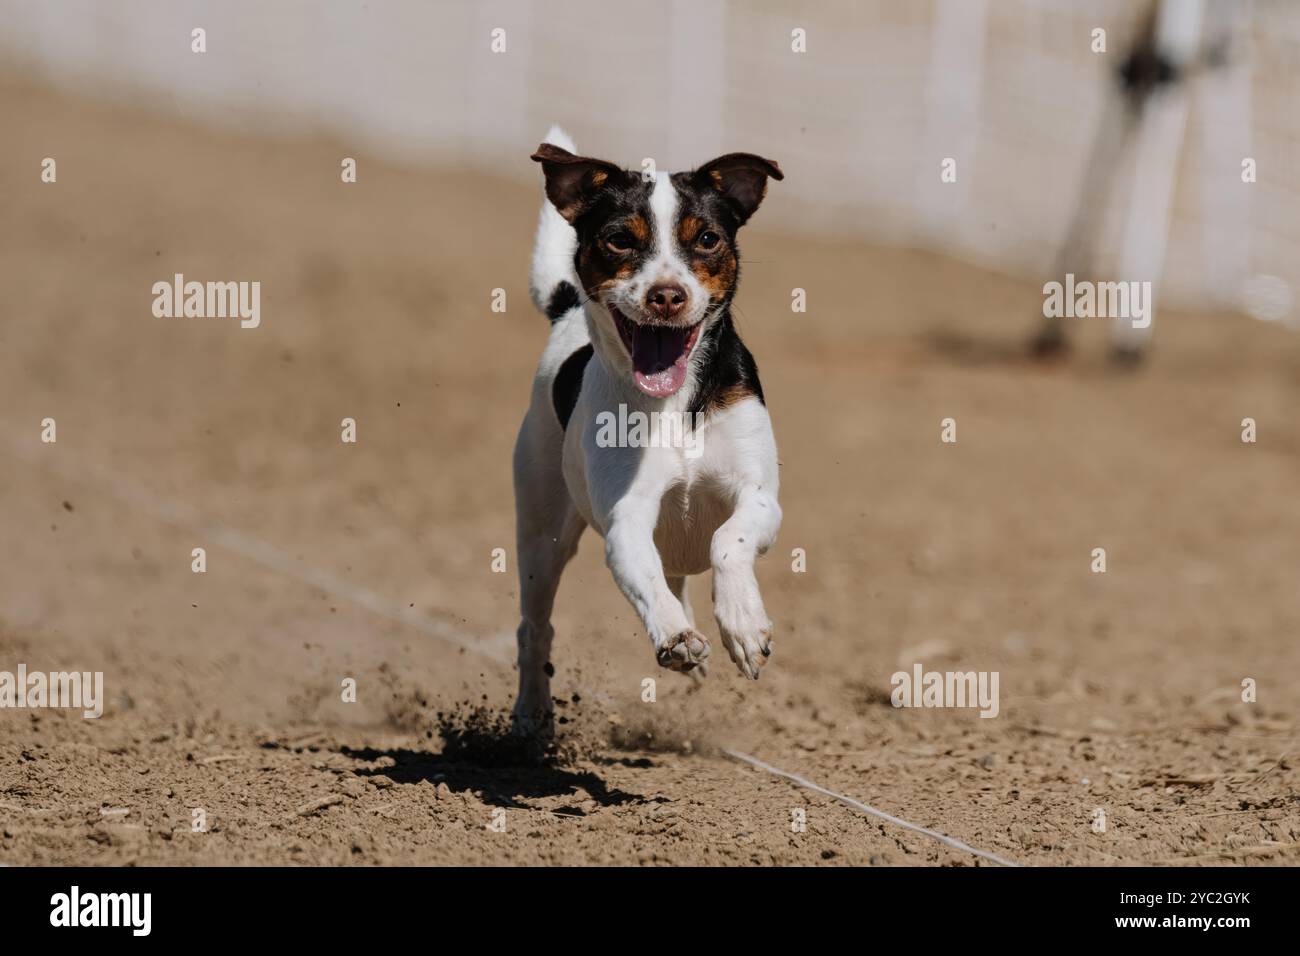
(659, 359)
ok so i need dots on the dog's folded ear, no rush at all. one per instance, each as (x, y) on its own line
(741, 178)
(571, 181)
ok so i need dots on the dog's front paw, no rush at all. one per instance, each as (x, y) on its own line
(750, 650)
(746, 631)
(684, 651)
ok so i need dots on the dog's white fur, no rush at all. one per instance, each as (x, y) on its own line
(663, 515)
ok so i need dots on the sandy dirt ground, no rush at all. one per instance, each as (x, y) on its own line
(1120, 692)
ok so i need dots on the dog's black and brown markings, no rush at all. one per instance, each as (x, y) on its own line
(610, 209)
(637, 276)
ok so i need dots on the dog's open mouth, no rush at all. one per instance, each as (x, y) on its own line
(659, 353)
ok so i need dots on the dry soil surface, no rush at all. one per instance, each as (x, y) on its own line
(1120, 692)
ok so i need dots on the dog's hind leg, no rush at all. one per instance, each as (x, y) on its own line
(541, 562)
(542, 558)
(547, 531)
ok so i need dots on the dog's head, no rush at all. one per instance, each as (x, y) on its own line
(657, 257)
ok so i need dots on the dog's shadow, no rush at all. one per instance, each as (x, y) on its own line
(504, 771)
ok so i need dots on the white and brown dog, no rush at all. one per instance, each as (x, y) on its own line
(637, 274)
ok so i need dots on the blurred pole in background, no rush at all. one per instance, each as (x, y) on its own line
(1181, 52)
(1161, 104)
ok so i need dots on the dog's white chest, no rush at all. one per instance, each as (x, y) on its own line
(690, 512)
(694, 474)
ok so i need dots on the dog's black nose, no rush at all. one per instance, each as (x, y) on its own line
(666, 300)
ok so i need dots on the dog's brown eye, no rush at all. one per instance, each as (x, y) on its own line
(620, 242)
(708, 240)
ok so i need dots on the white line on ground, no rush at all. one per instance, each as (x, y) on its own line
(268, 556)
(858, 805)
(273, 558)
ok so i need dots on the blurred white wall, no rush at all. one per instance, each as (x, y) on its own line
(860, 121)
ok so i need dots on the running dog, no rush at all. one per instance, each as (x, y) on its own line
(636, 272)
